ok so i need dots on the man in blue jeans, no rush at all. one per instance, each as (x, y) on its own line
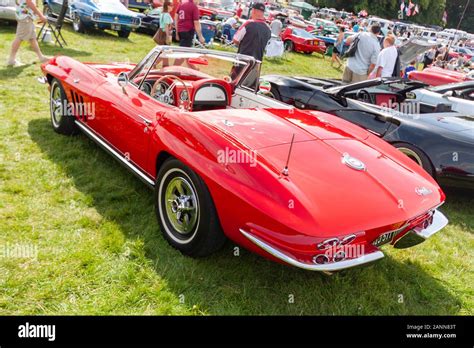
(187, 23)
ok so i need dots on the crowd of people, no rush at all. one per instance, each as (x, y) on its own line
(373, 49)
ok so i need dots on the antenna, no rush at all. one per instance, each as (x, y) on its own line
(285, 170)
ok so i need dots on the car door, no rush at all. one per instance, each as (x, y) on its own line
(129, 122)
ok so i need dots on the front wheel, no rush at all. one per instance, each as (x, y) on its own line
(123, 34)
(78, 24)
(62, 120)
(185, 210)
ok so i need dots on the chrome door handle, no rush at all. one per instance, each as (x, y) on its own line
(145, 120)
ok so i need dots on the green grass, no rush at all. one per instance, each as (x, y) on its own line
(100, 250)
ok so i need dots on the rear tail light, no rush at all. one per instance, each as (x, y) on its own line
(348, 239)
(328, 243)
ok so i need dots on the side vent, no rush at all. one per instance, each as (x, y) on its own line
(79, 108)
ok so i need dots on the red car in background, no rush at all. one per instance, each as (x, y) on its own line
(437, 76)
(214, 10)
(299, 40)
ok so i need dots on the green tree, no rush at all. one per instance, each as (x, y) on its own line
(455, 9)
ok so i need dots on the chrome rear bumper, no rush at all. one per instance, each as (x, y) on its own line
(411, 238)
(417, 235)
(327, 267)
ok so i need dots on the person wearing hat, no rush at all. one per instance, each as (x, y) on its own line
(253, 36)
(363, 62)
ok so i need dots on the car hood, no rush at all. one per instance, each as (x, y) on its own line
(113, 7)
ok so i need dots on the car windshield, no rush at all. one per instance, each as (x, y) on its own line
(192, 65)
(302, 33)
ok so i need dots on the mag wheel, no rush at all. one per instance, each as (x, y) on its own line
(77, 24)
(62, 120)
(416, 155)
(185, 211)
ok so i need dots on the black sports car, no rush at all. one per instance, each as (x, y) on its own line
(439, 140)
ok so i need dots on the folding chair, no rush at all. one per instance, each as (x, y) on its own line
(55, 25)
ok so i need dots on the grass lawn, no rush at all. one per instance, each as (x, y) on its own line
(99, 250)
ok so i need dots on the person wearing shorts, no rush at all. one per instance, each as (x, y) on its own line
(26, 12)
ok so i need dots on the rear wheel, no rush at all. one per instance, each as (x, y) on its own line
(416, 155)
(289, 46)
(185, 210)
(62, 120)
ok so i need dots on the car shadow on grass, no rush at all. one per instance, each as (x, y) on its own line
(234, 281)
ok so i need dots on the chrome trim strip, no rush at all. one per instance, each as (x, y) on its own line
(328, 267)
(439, 222)
(113, 152)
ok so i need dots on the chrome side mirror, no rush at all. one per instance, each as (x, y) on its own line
(122, 79)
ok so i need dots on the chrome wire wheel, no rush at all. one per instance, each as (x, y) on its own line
(181, 206)
(411, 154)
(56, 105)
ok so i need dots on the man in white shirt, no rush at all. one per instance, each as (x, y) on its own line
(387, 58)
(363, 62)
(276, 26)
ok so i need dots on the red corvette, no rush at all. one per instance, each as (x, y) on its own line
(299, 40)
(299, 187)
(437, 76)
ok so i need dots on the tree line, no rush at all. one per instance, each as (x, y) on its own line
(430, 11)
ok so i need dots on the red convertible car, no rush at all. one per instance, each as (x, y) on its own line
(303, 188)
(438, 76)
(299, 40)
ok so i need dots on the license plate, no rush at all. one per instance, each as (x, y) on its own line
(139, 1)
(116, 26)
(384, 238)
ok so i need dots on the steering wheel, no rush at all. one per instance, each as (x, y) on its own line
(363, 95)
(167, 96)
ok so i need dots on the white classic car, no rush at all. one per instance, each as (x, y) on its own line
(457, 97)
(7, 10)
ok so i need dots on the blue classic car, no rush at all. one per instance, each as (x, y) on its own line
(98, 14)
